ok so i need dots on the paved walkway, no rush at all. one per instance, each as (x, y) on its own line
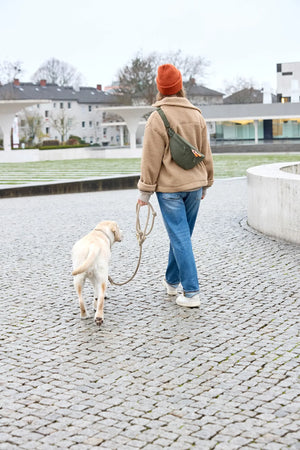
(155, 375)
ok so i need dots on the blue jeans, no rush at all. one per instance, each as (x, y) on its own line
(179, 211)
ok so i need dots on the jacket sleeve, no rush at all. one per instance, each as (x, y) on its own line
(208, 160)
(153, 152)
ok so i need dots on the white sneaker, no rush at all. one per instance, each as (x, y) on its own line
(189, 302)
(170, 289)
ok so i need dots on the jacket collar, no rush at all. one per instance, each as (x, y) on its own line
(175, 101)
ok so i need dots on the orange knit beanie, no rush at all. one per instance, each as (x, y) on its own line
(169, 79)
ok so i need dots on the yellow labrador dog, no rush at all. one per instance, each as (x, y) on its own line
(91, 256)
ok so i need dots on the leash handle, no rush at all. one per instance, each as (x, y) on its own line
(141, 237)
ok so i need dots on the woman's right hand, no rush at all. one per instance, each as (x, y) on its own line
(141, 203)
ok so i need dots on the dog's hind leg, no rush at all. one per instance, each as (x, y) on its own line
(100, 293)
(79, 286)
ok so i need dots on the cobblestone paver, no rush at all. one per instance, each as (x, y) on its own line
(154, 376)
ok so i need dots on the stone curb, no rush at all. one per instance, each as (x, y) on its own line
(71, 186)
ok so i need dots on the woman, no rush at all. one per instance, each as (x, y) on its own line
(178, 191)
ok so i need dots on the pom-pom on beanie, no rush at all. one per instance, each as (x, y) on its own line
(169, 79)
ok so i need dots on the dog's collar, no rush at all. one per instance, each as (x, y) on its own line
(105, 234)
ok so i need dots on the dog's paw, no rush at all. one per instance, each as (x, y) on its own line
(84, 316)
(99, 321)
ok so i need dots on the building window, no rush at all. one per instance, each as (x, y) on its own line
(61, 105)
(90, 124)
(46, 113)
(23, 123)
(70, 123)
(83, 124)
(69, 105)
(278, 67)
(90, 108)
(54, 105)
(47, 130)
(287, 73)
(285, 99)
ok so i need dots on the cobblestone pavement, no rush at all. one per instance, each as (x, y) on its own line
(155, 375)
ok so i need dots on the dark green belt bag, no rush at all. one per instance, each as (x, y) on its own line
(183, 153)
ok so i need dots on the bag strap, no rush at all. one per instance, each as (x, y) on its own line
(165, 121)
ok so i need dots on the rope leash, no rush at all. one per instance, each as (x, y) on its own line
(141, 237)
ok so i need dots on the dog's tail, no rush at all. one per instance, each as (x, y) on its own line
(93, 252)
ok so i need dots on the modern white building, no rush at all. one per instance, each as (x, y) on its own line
(288, 82)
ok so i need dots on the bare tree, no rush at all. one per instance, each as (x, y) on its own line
(137, 79)
(191, 67)
(33, 126)
(62, 123)
(58, 72)
(9, 71)
(238, 84)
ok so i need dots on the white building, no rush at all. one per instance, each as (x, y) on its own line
(69, 112)
(288, 82)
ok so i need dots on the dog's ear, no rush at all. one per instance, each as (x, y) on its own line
(116, 230)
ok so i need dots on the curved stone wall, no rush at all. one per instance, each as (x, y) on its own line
(274, 200)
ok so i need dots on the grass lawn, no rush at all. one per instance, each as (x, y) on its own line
(236, 165)
(233, 165)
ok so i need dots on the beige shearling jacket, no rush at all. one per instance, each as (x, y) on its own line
(159, 173)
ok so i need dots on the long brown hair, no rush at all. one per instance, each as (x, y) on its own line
(180, 93)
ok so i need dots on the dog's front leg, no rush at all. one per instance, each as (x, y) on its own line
(99, 316)
(96, 302)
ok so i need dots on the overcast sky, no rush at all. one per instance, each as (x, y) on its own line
(98, 37)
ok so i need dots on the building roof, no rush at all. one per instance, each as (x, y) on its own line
(203, 91)
(247, 95)
(25, 91)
